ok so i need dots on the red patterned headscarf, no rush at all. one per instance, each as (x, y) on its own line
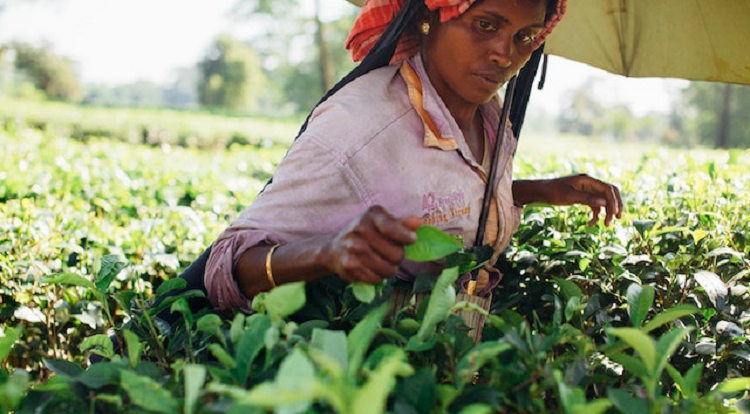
(377, 14)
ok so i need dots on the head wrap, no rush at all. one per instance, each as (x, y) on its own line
(377, 14)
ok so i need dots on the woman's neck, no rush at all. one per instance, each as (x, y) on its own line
(474, 136)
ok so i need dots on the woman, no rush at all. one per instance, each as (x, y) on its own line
(401, 146)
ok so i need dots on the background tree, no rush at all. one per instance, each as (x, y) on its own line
(230, 76)
(582, 112)
(183, 92)
(52, 74)
(6, 68)
(305, 53)
(717, 113)
(618, 122)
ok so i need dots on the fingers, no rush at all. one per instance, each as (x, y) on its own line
(614, 203)
(391, 228)
(412, 222)
(618, 197)
(594, 216)
(371, 247)
(359, 264)
(599, 194)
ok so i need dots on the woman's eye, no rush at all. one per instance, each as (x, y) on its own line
(525, 37)
(486, 26)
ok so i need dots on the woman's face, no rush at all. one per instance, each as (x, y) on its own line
(470, 57)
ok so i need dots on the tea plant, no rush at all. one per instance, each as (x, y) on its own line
(649, 315)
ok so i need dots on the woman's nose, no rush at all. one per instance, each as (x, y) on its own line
(502, 50)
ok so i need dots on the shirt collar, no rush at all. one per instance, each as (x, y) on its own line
(441, 130)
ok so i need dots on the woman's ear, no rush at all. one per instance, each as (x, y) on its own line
(423, 21)
(426, 21)
(424, 28)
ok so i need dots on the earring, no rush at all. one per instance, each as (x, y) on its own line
(425, 28)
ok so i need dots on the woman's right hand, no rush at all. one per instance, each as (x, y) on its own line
(371, 247)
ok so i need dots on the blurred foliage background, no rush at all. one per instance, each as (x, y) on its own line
(294, 55)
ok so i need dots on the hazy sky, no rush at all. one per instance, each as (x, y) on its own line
(121, 41)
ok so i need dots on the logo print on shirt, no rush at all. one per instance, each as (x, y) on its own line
(443, 208)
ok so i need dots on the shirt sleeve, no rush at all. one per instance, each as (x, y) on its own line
(314, 191)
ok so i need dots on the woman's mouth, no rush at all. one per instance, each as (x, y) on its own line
(493, 81)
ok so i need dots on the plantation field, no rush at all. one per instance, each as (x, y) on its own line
(146, 126)
(649, 315)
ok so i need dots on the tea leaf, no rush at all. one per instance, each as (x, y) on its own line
(632, 364)
(640, 342)
(285, 300)
(364, 292)
(688, 384)
(110, 267)
(270, 396)
(359, 339)
(372, 396)
(134, 346)
(626, 403)
(418, 391)
(333, 344)
(669, 315)
(238, 326)
(147, 393)
(476, 358)
(68, 279)
(699, 235)
(643, 225)
(63, 367)
(297, 374)
(734, 385)
(12, 389)
(195, 376)
(715, 288)
(170, 300)
(222, 356)
(665, 347)
(99, 341)
(640, 299)
(594, 407)
(439, 305)
(11, 335)
(568, 289)
(432, 244)
(209, 323)
(477, 409)
(100, 375)
(170, 285)
(250, 345)
(181, 306)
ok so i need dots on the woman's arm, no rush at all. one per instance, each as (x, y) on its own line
(574, 189)
(369, 249)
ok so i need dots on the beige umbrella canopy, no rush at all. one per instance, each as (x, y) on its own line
(690, 39)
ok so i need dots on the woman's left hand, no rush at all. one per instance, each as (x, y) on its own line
(583, 189)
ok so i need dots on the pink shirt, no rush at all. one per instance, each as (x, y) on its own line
(366, 146)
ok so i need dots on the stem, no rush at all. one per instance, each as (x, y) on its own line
(161, 352)
(51, 333)
(190, 339)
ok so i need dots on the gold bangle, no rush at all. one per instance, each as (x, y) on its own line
(269, 273)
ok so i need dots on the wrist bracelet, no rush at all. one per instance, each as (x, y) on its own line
(269, 273)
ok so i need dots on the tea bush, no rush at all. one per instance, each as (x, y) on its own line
(197, 129)
(647, 316)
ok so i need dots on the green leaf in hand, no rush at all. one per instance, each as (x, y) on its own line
(364, 292)
(432, 244)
